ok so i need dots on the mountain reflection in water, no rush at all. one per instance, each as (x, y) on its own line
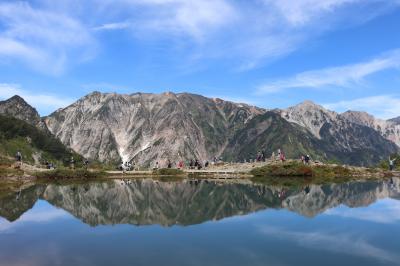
(145, 202)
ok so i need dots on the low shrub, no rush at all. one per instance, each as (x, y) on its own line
(69, 174)
(168, 171)
(287, 169)
(294, 169)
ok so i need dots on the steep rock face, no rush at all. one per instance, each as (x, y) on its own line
(389, 129)
(310, 116)
(340, 137)
(148, 127)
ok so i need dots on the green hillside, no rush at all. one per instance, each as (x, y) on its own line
(35, 145)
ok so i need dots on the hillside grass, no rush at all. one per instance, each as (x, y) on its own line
(17, 135)
(295, 174)
(168, 172)
(69, 174)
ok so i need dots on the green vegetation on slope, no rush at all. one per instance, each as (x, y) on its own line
(270, 132)
(17, 135)
(69, 174)
(295, 173)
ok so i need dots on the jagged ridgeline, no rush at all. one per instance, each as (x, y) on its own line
(146, 128)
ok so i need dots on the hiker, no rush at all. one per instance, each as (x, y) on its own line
(156, 166)
(169, 164)
(391, 163)
(282, 157)
(72, 163)
(258, 158)
(206, 164)
(86, 164)
(180, 165)
(307, 159)
(18, 158)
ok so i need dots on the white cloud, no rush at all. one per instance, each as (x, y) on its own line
(382, 106)
(342, 76)
(41, 38)
(43, 102)
(50, 35)
(194, 18)
(333, 242)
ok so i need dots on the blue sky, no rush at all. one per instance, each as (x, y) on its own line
(343, 54)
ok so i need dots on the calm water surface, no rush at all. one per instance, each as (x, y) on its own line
(146, 222)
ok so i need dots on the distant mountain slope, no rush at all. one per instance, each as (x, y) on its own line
(339, 141)
(270, 132)
(389, 129)
(395, 120)
(35, 144)
(149, 127)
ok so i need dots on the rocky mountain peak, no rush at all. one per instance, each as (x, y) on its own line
(309, 115)
(148, 127)
(358, 117)
(17, 107)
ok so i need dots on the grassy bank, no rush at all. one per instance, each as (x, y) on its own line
(294, 173)
(69, 174)
(168, 172)
(295, 169)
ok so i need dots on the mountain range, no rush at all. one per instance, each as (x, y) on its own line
(146, 128)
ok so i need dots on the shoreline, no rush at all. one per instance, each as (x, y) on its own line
(227, 171)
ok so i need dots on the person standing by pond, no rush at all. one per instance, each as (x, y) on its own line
(391, 163)
(72, 163)
(18, 158)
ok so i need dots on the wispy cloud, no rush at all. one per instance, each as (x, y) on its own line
(334, 242)
(40, 38)
(113, 26)
(299, 13)
(382, 106)
(50, 35)
(342, 76)
(45, 103)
